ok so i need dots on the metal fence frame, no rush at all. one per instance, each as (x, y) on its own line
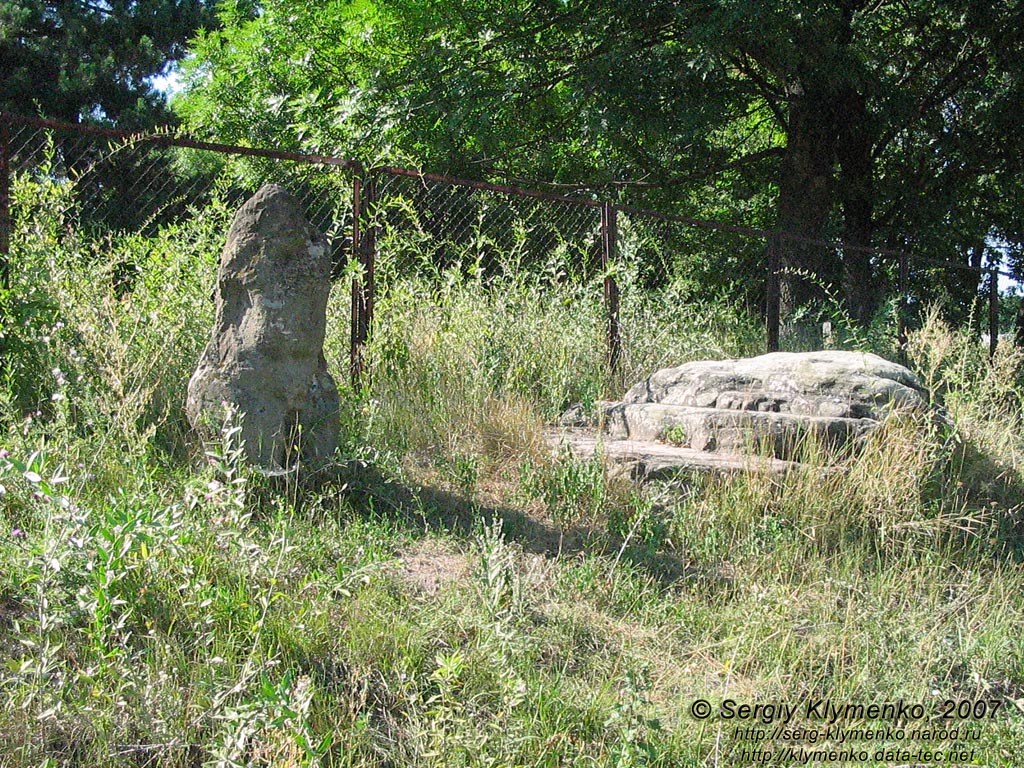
(364, 233)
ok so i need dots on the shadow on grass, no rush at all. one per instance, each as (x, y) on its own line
(992, 487)
(365, 486)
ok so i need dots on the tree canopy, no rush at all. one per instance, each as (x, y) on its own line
(873, 121)
(93, 60)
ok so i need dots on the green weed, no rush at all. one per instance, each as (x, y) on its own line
(162, 606)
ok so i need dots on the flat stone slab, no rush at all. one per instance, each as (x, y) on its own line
(759, 414)
(727, 431)
(781, 404)
(648, 460)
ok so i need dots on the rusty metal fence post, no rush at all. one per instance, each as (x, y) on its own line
(772, 292)
(364, 249)
(993, 311)
(609, 258)
(903, 307)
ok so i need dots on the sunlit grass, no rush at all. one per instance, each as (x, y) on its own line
(468, 598)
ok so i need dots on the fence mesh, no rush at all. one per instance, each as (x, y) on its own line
(703, 258)
(140, 184)
(426, 226)
(875, 297)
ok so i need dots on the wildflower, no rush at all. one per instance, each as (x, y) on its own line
(4, 453)
(17, 533)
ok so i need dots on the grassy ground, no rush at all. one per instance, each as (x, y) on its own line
(465, 599)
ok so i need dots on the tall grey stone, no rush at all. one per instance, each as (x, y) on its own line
(265, 356)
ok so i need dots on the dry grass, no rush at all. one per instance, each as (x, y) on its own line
(469, 600)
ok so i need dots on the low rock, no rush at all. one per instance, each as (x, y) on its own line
(716, 414)
(769, 403)
(648, 460)
(831, 383)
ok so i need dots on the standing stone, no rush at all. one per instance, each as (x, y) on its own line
(265, 356)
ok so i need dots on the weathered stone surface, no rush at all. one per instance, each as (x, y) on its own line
(646, 460)
(727, 431)
(265, 355)
(832, 383)
(714, 415)
(768, 403)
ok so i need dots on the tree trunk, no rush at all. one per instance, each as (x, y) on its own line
(805, 197)
(856, 193)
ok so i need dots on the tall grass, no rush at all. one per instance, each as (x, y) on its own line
(161, 606)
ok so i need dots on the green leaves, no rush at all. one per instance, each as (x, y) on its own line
(880, 124)
(85, 62)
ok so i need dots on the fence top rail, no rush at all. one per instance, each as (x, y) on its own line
(178, 140)
(700, 223)
(169, 139)
(769, 233)
(487, 186)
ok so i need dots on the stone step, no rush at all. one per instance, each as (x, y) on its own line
(646, 460)
(714, 430)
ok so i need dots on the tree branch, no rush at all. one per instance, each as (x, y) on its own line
(768, 92)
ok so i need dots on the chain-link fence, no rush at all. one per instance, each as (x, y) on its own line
(115, 184)
(140, 182)
(390, 223)
(430, 224)
(877, 294)
(422, 226)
